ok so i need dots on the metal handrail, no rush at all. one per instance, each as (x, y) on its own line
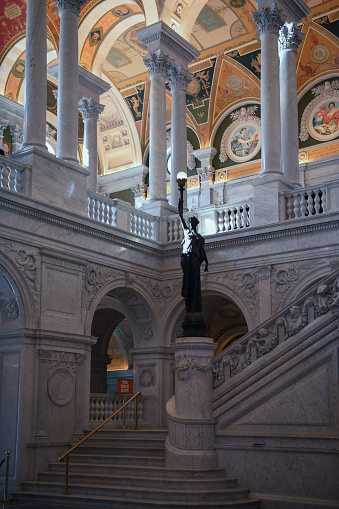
(6, 500)
(67, 453)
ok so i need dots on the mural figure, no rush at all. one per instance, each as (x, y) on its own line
(135, 102)
(244, 142)
(326, 119)
(121, 10)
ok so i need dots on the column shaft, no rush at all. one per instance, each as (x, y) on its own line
(35, 75)
(290, 38)
(68, 81)
(90, 156)
(157, 155)
(178, 140)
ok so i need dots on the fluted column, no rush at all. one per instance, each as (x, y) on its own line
(289, 39)
(90, 111)
(269, 21)
(158, 63)
(17, 134)
(68, 80)
(178, 79)
(35, 75)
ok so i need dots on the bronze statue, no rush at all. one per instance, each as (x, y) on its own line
(192, 256)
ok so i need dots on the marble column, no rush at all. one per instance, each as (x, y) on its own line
(68, 80)
(269, 21)
(3, 125)
(17, 134)
(178, 79)
(205, 156)
(158, 63)
(190, 441)
(289, 39)
(35, 75)
(90, 111)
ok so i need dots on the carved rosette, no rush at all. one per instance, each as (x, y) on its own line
(158, 63)
(146, 331)
(290, 36)
(70, 5)
(269, 19)
(90, 108)
(11, 309)
(147, 377)
(178, 77)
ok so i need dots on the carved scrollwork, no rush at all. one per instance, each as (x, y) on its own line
(161, 291)
(185, 365)
(96, 276)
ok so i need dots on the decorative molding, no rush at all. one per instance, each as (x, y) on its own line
(185, 366)
(94, 278)
(161, 291)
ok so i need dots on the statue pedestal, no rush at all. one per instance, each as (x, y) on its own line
(190, 441)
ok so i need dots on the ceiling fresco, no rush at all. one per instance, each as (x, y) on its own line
(226, 74)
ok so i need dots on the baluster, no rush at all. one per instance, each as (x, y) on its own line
(2, 173)
(303, 205)
(90, 207)
(96, 209)
(170, 225)
(324, 200)
(110, 215)
(289, 206)
(296, 206)
(102, 410)
(232, 220)
(248, 217)
(101, 211)
(140, 229)
(228, 225)
(220, 221)
(6, 177)
(105, 212)
(317, 202)
(91, 409)
(97, 409)
(241, 217)
(18, 181)
(148, 231)
(11, 179)
(176, 230)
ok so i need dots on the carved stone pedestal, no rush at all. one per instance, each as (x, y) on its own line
(190, 441)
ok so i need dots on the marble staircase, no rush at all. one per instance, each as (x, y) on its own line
(126, 469)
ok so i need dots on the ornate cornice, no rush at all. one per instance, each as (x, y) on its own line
(269, 19)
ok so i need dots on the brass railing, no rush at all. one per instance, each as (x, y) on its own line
(67, 453)
(6, 500)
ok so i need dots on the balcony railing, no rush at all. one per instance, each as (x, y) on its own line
(14, 176)
(103, 405)
(305, 202)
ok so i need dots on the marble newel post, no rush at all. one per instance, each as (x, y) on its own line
(68, 80)
(289, 39)
(35, 75)
(90, 111)
(158, 63)
(269, 21)
(190, 441)
(178, 79)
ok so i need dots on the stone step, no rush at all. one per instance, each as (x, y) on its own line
(123, 441)
(117, 449)
(128, 503)
(141, 434)
(138, 492)
(118, 459)
(146, 470)
(76, 477)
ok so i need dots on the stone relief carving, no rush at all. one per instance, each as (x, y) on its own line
(28, 262)
(11, 309)
(146, 331)
(60, 387)
(184, 366)
(61, 360)
(147, 377)
(285, 276)
(96, 276)
(262, 340)
(269, 19)
(161, 291)
(290, 37)
(157, 63)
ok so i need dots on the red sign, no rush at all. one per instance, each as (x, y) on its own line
(124, 386)
(6, 148)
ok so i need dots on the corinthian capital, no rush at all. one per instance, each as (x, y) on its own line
(290, 36)
(158, 63)
(269, 19)
(70, 5)
(17, 133)
(90, 108)
(178, 77)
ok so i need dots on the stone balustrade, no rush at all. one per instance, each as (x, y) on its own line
(14, 176)
(289, 321)
(103, 405)
(304, 202)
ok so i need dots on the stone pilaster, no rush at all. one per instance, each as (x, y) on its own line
(190, 441)
(290, 37)
(35, 75)
(158, 64)
(90, 111)
(178, 79)
(17, 134)
(269, 20)
(68, 80)
(3, 125)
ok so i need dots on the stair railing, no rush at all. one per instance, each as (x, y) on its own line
(6, 500)
(67, 453)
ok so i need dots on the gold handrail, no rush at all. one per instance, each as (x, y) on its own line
(67, 453)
